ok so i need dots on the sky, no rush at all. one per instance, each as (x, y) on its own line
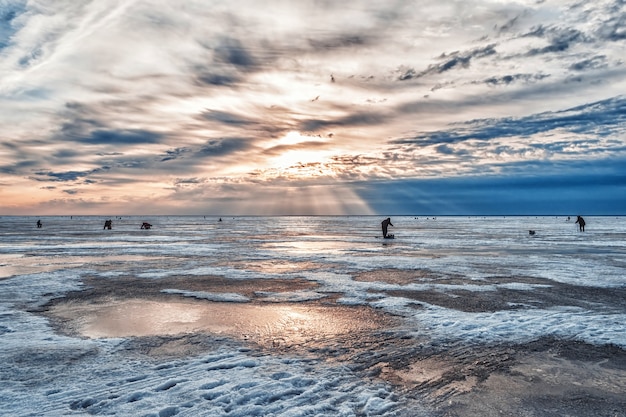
(312, 107)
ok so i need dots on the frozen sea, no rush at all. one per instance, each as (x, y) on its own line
(289, 316)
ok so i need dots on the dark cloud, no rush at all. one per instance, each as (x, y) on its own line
(231, 51)
(355, 119)
(45, 175)
(67, 153)
(174, 154)
(225, 117)
(216, 79)
(599, 118)
(86, 124)
(563, 147)
(221, 147)
(212, 148)
(179, 181)
(407, 73)
(453, 60)
(509, 79)
(18, 166)
(228, 62)
(447, 150)
(560, 39)
(596, 62)
(30, 57)
(612, 28)
(509, 25)
(120, 137)
(109, 153)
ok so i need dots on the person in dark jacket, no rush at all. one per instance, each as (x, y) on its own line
(386, 223)
(581, 223)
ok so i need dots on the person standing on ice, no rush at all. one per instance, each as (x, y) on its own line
(386, 223)
(581, 223)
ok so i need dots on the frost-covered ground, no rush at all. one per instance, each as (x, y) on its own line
(293, 316)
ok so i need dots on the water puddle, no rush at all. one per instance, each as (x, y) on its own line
(276, 324)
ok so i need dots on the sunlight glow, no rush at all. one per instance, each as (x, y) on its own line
(300, 153)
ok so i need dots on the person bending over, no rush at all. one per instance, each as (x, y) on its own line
(386, 223)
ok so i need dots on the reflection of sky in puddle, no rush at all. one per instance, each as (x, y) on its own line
(284, 324)
(14, 264)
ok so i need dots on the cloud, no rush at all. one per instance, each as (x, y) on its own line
(120, 137)
(508, 79)
(134, 102)
(215, 79)
(596, 62)
(180, 181)
(225, 117)
(356, 118)
(599, 118)
(221, 147)
(612, 28)
(453, 60)
(559, 39)
(231, 51)
(16, 167)
(66, 176)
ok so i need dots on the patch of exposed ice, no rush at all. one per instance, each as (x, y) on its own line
(292, 296)
(230, 297)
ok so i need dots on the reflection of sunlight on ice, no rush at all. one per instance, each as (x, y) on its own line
(272, 266)
(309, 247)
(13, 265)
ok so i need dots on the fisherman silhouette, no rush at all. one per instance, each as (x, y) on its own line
(39, 224)
(108, 224)
(385, 223)
(581, 223)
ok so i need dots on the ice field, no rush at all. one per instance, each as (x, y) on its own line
(475, 280)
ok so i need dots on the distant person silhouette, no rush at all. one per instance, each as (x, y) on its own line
(108, 224)
(581, 223)
(386, 223)
(39, 224)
